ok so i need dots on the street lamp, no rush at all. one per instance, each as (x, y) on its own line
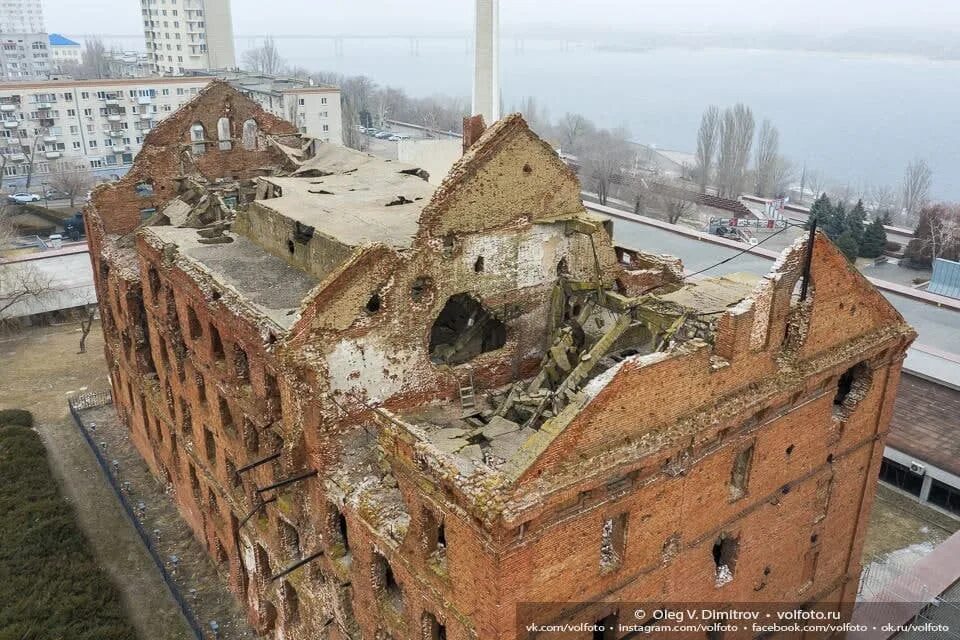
(46, 205)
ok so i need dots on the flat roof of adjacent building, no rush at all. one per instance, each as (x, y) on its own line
(261, 278)
(364, 199)
(926, 423)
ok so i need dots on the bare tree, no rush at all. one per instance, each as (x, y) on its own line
(675, 201)
(916, 188)
(85, 326)
(944, 232)
(19, 281)
(816, 184)
(73, 181)
(30, 164)
(94, 60)
(265, 59)
(782, 174)
(768, 149)
(604, 158)
(707, 138)
(573, 128)
(736, 140)
(883, 198)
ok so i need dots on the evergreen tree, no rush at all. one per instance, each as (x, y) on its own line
(836, 222)
(874, 239)
(855, 221)
(820, 211)
(848, 245)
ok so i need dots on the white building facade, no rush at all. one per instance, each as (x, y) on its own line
(21, 16)
(64, 52)
(24, 56)
(95, 125)
(186, 35)
(315, 110)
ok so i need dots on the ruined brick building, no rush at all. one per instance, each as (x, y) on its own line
(395, 410)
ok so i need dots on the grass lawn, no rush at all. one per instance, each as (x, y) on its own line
(50, 584)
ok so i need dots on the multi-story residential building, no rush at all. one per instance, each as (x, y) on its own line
(130, 64)
(314, 109)
(100, 124)
(21, 16)
(395, 409)
(24, 56)
(183, 35)
(92, 124)
(64, 52)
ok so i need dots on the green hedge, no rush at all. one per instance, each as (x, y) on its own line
(20, 417)
(50, 584)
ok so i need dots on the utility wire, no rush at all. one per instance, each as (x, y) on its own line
(740, 253)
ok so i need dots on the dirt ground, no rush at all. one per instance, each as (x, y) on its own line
(898, 522)
(39, 368)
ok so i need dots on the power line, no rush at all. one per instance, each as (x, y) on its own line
(740, 253)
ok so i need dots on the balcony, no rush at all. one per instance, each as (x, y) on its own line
(51, 155)
(17, 157)
(112, 102)
(43, 105)
(7, 108)
(146, 116)
(114, 117)
(144, 100)
(11, 124)
(116, 134)
(50, 137)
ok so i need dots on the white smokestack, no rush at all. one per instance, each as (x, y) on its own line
(486, 74)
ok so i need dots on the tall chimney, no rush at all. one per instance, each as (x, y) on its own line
(486, 74)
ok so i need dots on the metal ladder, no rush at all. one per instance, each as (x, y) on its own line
(468, 398)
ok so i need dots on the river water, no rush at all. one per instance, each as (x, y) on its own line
(859, 119)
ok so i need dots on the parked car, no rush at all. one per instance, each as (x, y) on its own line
(383, 135)
(397, 137)
(371, 131)
(56, 194)
(24, 198)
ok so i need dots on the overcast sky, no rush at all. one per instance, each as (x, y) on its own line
(122, 17)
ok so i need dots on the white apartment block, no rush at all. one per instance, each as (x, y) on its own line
(315, 110)
(21, 16)
(95, 125)
(24, 56)
(186, 35)
(64, 52)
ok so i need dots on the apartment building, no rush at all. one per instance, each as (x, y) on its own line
(315, 110)
(21, 16)
(82, 124)
(64, 52)
(24, 56)
(184, 35)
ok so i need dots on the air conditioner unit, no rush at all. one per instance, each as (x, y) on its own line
(918, 468)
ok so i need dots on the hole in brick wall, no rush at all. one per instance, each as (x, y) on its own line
(527, 169)
(194, 482)
(250, 134)
(232, 476)
(420, 287)
(291, 247)
(740, 473)
(605, 628)
(478, 265)
(790, 450)
(385, 583)
(212, 503)
(449, 244)
(194, 329)
(210, 446)
(463, 330)
(373, 304)
(289, 538)
(226, 415)
(852, 387)
(338, 532)
(613, 540)
(201, 388)
(289, 603)
(432, 629)
(216, 344)
(197, 137)
(143, 189)
(563, 268)
(153, 279)
(251, 438)
(829, 458)
(241, 366)
(216, 294)
(814, 538)
(223, 134)
(725, 551)
(262, 563)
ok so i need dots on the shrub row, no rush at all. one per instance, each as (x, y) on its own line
(50, 584)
